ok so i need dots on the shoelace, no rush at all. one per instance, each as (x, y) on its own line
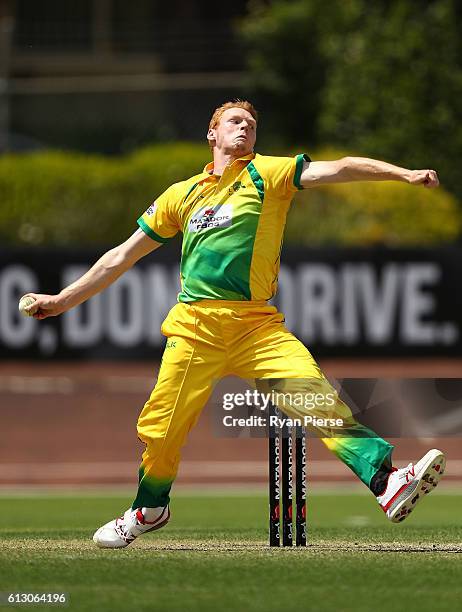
(126, 524)
(123, 529)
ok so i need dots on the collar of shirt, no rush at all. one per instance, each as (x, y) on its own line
(208, 170)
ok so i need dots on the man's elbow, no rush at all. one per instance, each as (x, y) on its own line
(346, 167)
(116, 259)
(345, 163)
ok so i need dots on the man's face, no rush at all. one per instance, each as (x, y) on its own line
(236, 132)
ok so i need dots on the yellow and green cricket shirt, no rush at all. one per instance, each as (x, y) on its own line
(232, 226)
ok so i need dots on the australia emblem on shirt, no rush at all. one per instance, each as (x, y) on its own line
(235, 187)
(209, 218)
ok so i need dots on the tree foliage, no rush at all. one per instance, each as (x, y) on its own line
(382, 78)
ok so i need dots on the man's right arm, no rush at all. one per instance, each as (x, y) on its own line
(102, 274)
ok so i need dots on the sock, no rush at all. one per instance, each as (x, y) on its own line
(380, 479)
(151, 514)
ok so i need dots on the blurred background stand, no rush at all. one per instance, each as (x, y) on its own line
(6, 32)
(106, 76)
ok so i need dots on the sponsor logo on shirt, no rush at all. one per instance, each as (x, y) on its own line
(209, 218)
(152, 209)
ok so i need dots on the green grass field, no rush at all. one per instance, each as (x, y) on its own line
(214, 556)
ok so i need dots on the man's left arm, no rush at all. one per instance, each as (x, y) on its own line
(349, 169)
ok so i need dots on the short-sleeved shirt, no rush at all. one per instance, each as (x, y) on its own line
(232, 226)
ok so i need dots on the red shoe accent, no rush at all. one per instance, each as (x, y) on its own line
(411, 471)
(387, 505)
(143, 521)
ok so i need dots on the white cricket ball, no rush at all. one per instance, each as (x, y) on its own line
(24, 302)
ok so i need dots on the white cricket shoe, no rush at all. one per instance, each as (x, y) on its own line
(123, 530)
(407, 486)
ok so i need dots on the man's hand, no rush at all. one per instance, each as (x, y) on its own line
(46, 305)
(427, 178)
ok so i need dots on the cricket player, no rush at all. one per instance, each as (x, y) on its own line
(232, 217)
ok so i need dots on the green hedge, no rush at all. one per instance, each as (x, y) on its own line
(62, 198)
(368, 213)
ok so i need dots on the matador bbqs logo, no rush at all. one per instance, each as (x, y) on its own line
(209, 218)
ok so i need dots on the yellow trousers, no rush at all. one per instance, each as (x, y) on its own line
(208, 340)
